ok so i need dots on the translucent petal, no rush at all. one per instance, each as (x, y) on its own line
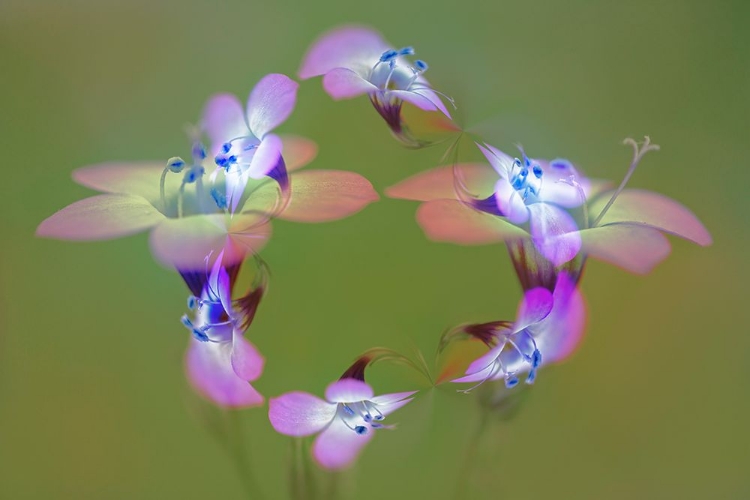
(247, 361)
(388, 403)
(223, 120)
(102, 217)
(353, 47)
(510, 202)
(136, 178)
(342, 83)
(500, 161)
(338, 445)
(348, 390)
(299, 413)
(439, 183)
(534, 307)
(270, 103)
(298, 151)
(452, 221)
(554, 233)
(635, 248)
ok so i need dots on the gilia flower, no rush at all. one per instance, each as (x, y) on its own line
(220, 362)
(356, 60)
(623, 226)
(344, 422)
(548, 328)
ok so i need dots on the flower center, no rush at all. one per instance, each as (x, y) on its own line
(390, 73)
(192, 175)
(360, 416)
(526, 178)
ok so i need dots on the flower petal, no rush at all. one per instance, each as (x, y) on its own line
(510, 203)
(452, 221)
(266, 157)
(298, 151)
(388, 403)
(562, 184)
(479, 376)
(209, 371)
(270, 103)
(566, 323)
(425, 99)
(554, 232)
(338, 445)
(184, 243)
(484, 364)
(343, 83)
(354, 47)
(326, 195)
(500, 161)
(348, 390)
(102, 217)
(223, 120)
(534, 307)
(137, 178)
(440, 183)
(247, 361)
(635, 248)
(636, 206)
(299, 413)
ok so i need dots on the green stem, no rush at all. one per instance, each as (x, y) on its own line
(237, 449)
(470, 460)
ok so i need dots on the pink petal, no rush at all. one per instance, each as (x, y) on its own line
(635, 248)
(477, 376)
(342, 83)
(510, 203)
(270, 103)
(534, 307)
(348, 390)
(209, 371)
(635, 206)
(326, 195)
(483, 364)
(247, 362)
(395, 397)
(298, 151)
(421, 87)
(557, 187)
(354, 47)
(223, 120)
(184, 243)
(338, 445)
(439, 183)
(266, 157)
(137, 178)
(452, 221)
(423, 100)
(554, 232)
(102, 217)
(566, 322)
(299, 413)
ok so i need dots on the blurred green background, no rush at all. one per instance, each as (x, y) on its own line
(93, 402)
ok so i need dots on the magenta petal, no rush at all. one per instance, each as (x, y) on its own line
(209, 370)
(510, 203)
(432, 96)
(298, 151)
(635, 248)
(554, 232)
(348, 390)
(534, 307)
(338, 445)
(101, 217)
(342, 83)
(565, 325)
(247, 362)
(270, 103)
(137, 178)
(326, 195)
(299, 413)
(453, 221)
(635, 206)
(223, 120)
(440, 183)
(352, 47)
(184, 243)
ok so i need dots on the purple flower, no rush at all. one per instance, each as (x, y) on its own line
(356, 60)
(623, 226)
(548, 328)
(344, 422)
(220, 362)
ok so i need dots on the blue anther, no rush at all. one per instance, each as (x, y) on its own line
(376, 426)
(560, 163)
(219, 198)
(421, 65)
(192, 302)
(536, 359)
(367, 417)
(192, 175)
(232, 159)
(348, 410)
(361, 430)
(531, 377)
(199, 152)
(388, 55)
(526, 160)
(200, 335)
(226, 147)
(186, 321)
(176, 164)
(221, 161)
(379, 417)
(538, 171)
(524, 172)
(406, 51)
(511, 381)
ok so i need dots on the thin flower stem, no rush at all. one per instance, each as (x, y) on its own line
(301, 475)
(470, 458)
(236, 447)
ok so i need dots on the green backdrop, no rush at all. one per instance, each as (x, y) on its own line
(93, 401)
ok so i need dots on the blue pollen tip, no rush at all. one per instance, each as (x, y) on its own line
(421, 65)
(511, 381)
(200, 335)
(186, 321)
(219, 198)
(226, 147)
(199, 151)
(536, 358)
(221, 161)
(176, 164)
(388, 55)
(361, 430)
(524, 172)
(192, 302)
(232, 159)
(537, 171)
(379, 417)
(526, 160)
(376, 426)
(406, 51)
(531, 377)
(348, 410)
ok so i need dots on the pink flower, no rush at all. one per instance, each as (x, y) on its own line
(345, 421)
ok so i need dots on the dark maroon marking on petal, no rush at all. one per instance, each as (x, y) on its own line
(357, 370)
(488, 332)
(390, 111)
(248, 305)
(535, 270)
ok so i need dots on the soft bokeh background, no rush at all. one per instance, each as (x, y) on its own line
(93, 403)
